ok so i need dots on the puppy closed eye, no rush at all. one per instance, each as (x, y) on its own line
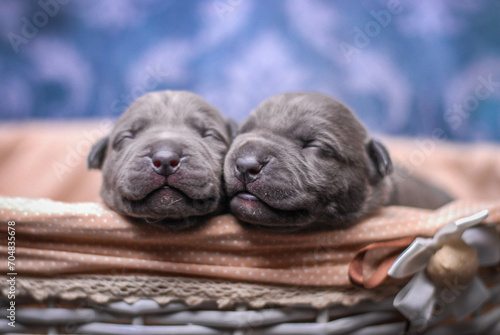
(312, 145)
(122, 139)
(213, 134)
(320, 149)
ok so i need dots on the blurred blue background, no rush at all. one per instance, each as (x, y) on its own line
(417, 68)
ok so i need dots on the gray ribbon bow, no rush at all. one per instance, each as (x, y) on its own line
(417, 300)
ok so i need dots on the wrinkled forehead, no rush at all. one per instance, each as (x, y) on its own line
(304, 114)
(170, 110)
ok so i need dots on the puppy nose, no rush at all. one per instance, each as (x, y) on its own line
(247, 169)
(165, 162)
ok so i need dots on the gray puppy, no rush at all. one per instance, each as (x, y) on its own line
(163, 159)
(304, 160)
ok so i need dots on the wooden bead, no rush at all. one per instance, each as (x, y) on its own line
(454, 262)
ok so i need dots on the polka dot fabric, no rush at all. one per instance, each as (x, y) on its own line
(54, 238)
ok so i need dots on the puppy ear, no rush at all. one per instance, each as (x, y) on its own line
(380, 158)
(97, 154)
(232, 128)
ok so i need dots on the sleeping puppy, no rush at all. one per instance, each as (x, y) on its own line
(304, 160)
(163, 159)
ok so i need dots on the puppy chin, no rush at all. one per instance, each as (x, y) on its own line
(256, 212)
(165, 205)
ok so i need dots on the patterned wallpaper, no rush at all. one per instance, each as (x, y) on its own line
(418, 68)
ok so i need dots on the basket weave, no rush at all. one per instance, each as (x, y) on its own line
(57, 315)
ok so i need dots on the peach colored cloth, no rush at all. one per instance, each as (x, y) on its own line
(47, 160)
(58, 238)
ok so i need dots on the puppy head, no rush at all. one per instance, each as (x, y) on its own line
(163, 159)
(303, 159)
